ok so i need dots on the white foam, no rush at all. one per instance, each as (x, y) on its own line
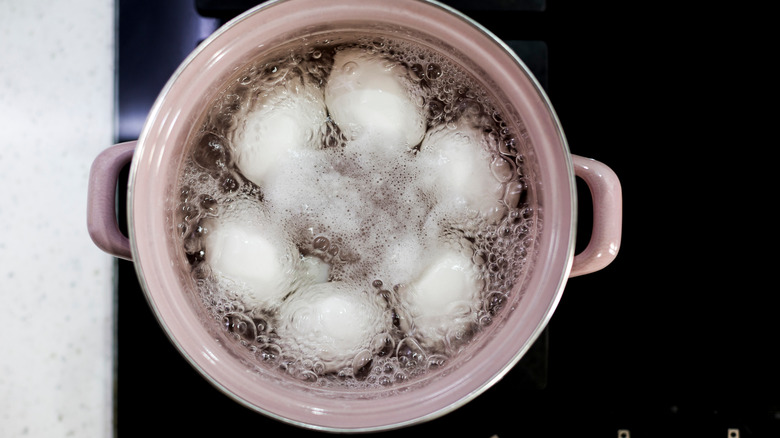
(312, 191)
(330, 322)
(403, 256)
(372, 206)
(459, 171)
(285, 123)
(367, 97)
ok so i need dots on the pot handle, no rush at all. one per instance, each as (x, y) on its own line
(607, 198)
(101, 200)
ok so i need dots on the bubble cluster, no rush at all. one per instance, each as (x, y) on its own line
(354, 211)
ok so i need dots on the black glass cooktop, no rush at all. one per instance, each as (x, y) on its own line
(663, 342)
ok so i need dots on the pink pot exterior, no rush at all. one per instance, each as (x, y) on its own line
(155, 169)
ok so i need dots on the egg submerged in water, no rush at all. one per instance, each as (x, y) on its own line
(333, 322)
(443, 299)
(288, 122)
(459, 173)
(369, 99)
(245, 248)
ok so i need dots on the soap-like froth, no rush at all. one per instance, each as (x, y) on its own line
(459, 171)
(371, 206)
(444, 297)
(368, 97)
(330, 322)
(313, 188)
(284, 123)
(244, 248)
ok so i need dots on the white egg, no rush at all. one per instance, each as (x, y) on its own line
(330, 322)
(280, 129)
(262, 262)
(443, 298)
(458, 171)
(369, 100)
(449, 279)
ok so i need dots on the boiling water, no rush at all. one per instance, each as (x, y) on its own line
(354, 212)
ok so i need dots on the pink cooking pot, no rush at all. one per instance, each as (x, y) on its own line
(157, 158)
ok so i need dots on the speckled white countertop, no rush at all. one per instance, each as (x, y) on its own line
(56, 115)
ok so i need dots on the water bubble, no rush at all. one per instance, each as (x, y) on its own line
(321, 243)
(307, 376)
(184, 194)
(513, 194)
(494, 302)
(361, 364)
(187, 211)
(229, 184)
(433, 71)
(349, 67)
(514, 216)
(382, 344)
(416, 72)
(435, 109)
(502, 169)
(395, 318)
(261, 325)
(521, 252)
(485, 320)
(208, 204)
(468, 107)
(182, 227)
(210, 152)
(196, 257)
(457, 335)
(521, 229)
(409, 353)
(479, 257)
(436, 361)
(240, 324)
